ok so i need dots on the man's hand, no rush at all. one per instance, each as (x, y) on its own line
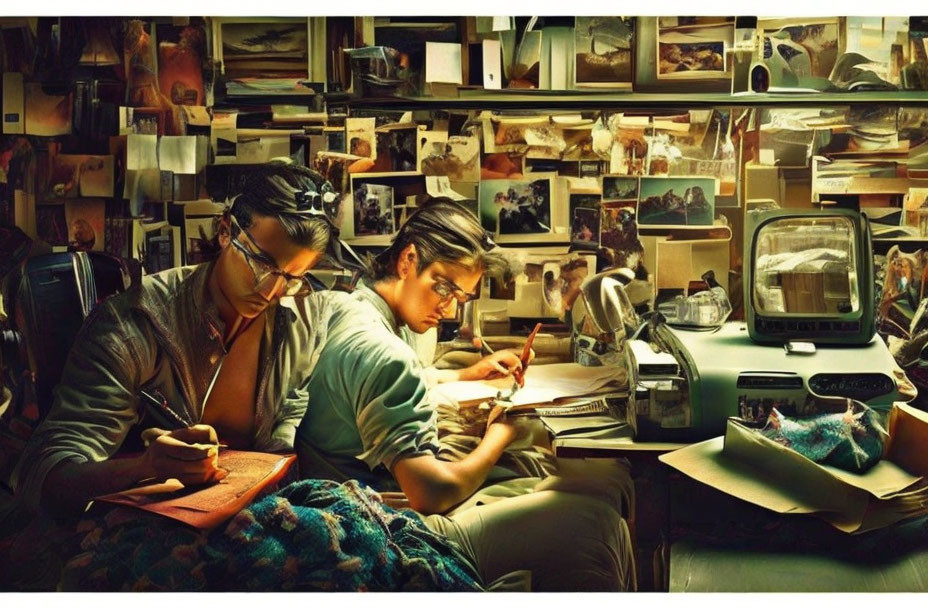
(509, 429)
(190, 455)
(497, 365)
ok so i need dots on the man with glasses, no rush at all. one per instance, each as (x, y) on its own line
(218, 351)
(368, 418)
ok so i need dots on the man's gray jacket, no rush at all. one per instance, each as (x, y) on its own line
(165, 335)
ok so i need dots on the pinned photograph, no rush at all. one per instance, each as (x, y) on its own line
(693, 47)
(359, 133)
(619, 188)
(180, 56)
(676, 201)
(584, 220)
(85, 224)
(516, 206)
(396, 150)
(501, 165)
(457, 157)
(202, 242)
(373, 209)
(800, 50)
(604, 51)
(620, 234)
(272, 49)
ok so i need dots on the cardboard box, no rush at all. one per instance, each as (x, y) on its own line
(760, 471)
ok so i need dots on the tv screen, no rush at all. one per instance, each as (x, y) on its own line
(809, 276)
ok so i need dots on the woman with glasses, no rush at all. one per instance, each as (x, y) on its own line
(193, 355)
(368, 418)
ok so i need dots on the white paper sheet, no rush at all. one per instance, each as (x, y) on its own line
(141, 152)
(178, 154)
(443, 62)
(543, 384)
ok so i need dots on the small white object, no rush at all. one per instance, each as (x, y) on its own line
(799, 348)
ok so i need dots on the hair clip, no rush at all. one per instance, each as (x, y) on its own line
(487, 242)
(309, 202)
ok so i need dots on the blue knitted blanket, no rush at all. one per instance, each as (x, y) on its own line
(311, 535)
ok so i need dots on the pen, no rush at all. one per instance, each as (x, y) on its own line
(527, 353)
(157, 406)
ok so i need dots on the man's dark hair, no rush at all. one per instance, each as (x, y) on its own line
(442, 231)
(280, 190)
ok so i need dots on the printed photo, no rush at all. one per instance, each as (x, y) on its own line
(584, 220)
(619, 188)
(501, 165)
(359, 133)
(693, 48)
(516, 206)
(801, 50)
(85, 224)
(373, 209)
(676, 201)
(180, 58)
(604, 51)
(458, 158)
(396, 150)
(335, 140)
(274, 49)
(619, 234)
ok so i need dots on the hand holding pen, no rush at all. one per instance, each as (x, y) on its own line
(187, 452)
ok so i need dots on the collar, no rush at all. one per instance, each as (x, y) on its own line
(366, 293)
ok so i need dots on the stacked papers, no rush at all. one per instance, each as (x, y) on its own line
(753, 468)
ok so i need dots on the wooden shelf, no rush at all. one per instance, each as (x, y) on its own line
(518, 99)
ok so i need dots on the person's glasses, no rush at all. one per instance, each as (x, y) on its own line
(446, 289)
(264, 271)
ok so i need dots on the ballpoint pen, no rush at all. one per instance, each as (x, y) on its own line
(157, 406)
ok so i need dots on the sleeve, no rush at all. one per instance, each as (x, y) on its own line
(288, 419)
(394, 418)
(94, 405)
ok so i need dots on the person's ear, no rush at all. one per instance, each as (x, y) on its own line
(407, 261)
(225, 232)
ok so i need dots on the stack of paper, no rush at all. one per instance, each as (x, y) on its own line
(751, 467)
(543, 384)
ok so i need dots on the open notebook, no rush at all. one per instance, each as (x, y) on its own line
(209, 505)
(543, 384)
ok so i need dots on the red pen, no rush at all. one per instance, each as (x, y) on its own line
(526, 354)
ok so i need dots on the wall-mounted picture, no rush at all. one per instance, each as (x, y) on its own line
(373, 209)
(277, 48)
(180, 56)
(676, 201)
(501, 165)
(584, 220)
(85, 224)
(509, 207)
(604, 51)
(799, 50)
(693, 48)
(620, 188)
(396, 150)
(458, 158)
(359, 135)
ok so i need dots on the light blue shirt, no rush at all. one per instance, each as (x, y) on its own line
(367, 396)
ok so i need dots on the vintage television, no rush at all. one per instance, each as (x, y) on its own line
(808, 276)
